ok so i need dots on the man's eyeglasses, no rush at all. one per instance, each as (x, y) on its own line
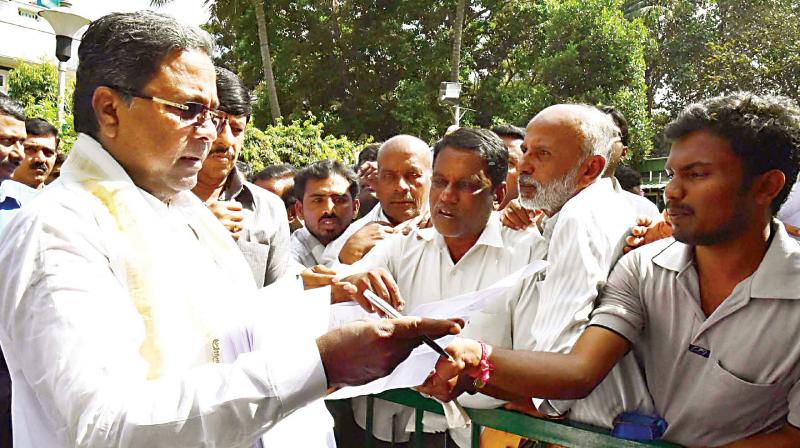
(190, 112)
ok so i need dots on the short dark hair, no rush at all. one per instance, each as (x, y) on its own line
(764, 131)
(628, 177)
(483, 142)
(275, 172)
(125, 50)
(234, 98)
(11, 107)
(40, 127)
(619, 120)
(323, 170)
(509, 131)
(368, 154)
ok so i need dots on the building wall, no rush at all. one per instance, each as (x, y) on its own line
(26, 36)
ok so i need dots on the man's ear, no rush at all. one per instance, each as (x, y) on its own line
(298, 209)
(499, 191)
(767, 186)
(106, 103)
(356, 206)
(592, 168)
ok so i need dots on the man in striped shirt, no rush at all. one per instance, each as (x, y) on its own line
(567, 148)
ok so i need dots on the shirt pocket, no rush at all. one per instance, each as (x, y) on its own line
(728, 401)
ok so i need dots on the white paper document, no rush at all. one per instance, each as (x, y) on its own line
(414, 370)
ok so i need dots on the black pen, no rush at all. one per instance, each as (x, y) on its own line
(391, 312)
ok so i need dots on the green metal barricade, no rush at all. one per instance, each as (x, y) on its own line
(564, 433)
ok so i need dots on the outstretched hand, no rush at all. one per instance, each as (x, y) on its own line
(362, 351)
(379, 281)
(450, 379)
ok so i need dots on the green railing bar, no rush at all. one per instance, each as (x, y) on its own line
(568, 434)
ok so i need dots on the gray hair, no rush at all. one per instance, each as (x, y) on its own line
(599, 132)
(126, 50)
(10, 107)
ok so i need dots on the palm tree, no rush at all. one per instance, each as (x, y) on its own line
(266, 58)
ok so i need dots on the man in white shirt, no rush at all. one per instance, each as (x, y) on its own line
(404, 173)
(12, 136)
(466, 250)
(713, 315)
(586, 221)
(110, 316)
(327, 201)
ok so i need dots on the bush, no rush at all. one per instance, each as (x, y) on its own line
(299, 143)
(36, 87)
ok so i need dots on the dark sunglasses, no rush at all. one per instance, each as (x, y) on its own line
(190, 112)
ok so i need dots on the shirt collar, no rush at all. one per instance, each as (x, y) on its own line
(777, 274)
(233, 185)
(491, 236)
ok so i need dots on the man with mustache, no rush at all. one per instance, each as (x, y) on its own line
(255, 217)
(12, 136)
(327, 201)
(12, 196)
(403, 182)
(41, 149)
(367, 169)
(467, 249)
(585, 223)
(713, 314)
(124, 299)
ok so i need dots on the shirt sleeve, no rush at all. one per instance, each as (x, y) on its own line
(70, 333)
(620, 306)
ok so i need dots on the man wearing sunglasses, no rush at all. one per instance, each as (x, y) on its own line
(123, 298)
(41, 149)
(255, 217)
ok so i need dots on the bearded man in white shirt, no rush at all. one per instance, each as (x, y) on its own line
(586, 221)
(466, 250)
(110, 310)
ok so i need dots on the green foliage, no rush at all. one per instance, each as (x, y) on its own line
(373, 68)
(299, 142)
(36, 87)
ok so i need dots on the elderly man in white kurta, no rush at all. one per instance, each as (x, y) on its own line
(110, 310)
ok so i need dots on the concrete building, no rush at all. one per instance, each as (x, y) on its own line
(24, 36)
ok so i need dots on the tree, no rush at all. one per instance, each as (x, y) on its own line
(35, 86)
(263, 38)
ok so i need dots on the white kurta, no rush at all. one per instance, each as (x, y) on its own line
(585, 239)
(81, 351)
(425, 272)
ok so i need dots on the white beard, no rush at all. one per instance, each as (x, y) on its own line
(552, 196)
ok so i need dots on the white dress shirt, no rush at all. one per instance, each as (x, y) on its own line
(585, 239)
(76, 341)
(306, 249)
(421, 264)
(330, 256)
(13, 195)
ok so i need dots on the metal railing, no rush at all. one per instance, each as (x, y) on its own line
(564, 433)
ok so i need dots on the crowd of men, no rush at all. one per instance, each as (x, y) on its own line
(155, 296)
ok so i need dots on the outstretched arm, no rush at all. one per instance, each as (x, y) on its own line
(520, 373)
